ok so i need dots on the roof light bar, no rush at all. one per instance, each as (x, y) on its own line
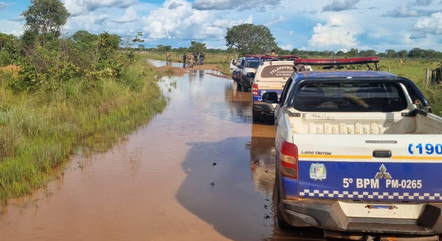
(272, 56)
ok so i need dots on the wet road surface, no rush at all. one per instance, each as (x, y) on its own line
(198, 171)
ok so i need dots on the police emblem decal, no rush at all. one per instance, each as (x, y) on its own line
(318, 171)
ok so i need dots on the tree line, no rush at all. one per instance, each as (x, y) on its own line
(257, 39)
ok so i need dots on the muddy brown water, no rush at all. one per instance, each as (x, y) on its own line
(200, 170)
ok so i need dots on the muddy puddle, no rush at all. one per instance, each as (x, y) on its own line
(198, 171)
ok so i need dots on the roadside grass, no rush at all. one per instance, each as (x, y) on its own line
(415, 70)
(42, 129)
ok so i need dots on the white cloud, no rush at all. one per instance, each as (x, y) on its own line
(11, 27)
(287, 47)
(3, 5)
(233, 4)
(421, 3)
(177, 19)
(76, 7)
(340, 32)
(341, 5)
(275, 21)
(130, 15)
(432, 25)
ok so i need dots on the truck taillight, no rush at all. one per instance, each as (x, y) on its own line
(255, 89)
(289, 159)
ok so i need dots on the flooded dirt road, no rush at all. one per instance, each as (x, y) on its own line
(198, 171)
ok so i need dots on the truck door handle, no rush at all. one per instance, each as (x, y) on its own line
(381, 153)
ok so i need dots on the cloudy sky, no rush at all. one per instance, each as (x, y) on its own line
(310, 25)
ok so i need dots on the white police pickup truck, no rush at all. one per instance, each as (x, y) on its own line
(270, 77)
(358, 155)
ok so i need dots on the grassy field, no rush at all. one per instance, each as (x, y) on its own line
(40, 130)
(415, 70)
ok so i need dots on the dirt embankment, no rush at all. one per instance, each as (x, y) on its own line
(179, 71)
(13, 69)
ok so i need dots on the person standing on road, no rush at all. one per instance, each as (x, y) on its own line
(184, 60)
(201, 58)
(195, 58)
(190, 60)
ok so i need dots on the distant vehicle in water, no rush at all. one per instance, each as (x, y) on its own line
(244, 74)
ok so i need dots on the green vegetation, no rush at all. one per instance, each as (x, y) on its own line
(249, 38)
(41, 129)
(415, 70)
(59, 97)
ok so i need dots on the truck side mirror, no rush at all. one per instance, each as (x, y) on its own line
(270, 97)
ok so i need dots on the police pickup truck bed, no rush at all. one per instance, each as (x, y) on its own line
(355, 154)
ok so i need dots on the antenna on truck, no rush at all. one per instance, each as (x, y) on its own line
(338, 63)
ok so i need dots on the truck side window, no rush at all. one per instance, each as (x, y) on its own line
(285, 91)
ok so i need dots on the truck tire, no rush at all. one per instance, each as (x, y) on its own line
(282, 224)
(256, 117)
(238, 86)
(243, 88)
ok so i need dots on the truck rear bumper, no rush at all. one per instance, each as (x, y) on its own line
(263, 109)
(328, 215)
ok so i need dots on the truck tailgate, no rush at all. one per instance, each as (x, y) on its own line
(370, 167)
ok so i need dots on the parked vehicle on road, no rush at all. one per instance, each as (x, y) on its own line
(233, 65)
(246, 69)
(270, 76)
(358, 154)
(245, 72)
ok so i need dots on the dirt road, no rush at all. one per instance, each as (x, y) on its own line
(198, 171)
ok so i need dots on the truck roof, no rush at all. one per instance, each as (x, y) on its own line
(341, 74)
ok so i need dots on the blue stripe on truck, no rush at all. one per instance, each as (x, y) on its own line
(371, 181)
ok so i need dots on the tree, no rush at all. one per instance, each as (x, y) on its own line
(161, 47)
(390, 53)
(250, 39)
(9, 49)
(46, 17)
(416, 53)
(352, 53)
(84, 36)
(196, 47)
(367, 53)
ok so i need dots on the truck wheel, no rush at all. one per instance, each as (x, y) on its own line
(256, 117)
(238, 86)
(245, 88)
(282, 224)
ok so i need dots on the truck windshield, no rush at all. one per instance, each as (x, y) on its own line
(350, 97)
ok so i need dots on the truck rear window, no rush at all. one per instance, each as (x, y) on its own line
(350, 97)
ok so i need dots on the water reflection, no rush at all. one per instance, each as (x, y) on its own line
(218, 189)
(238, 102)
(262, 157)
